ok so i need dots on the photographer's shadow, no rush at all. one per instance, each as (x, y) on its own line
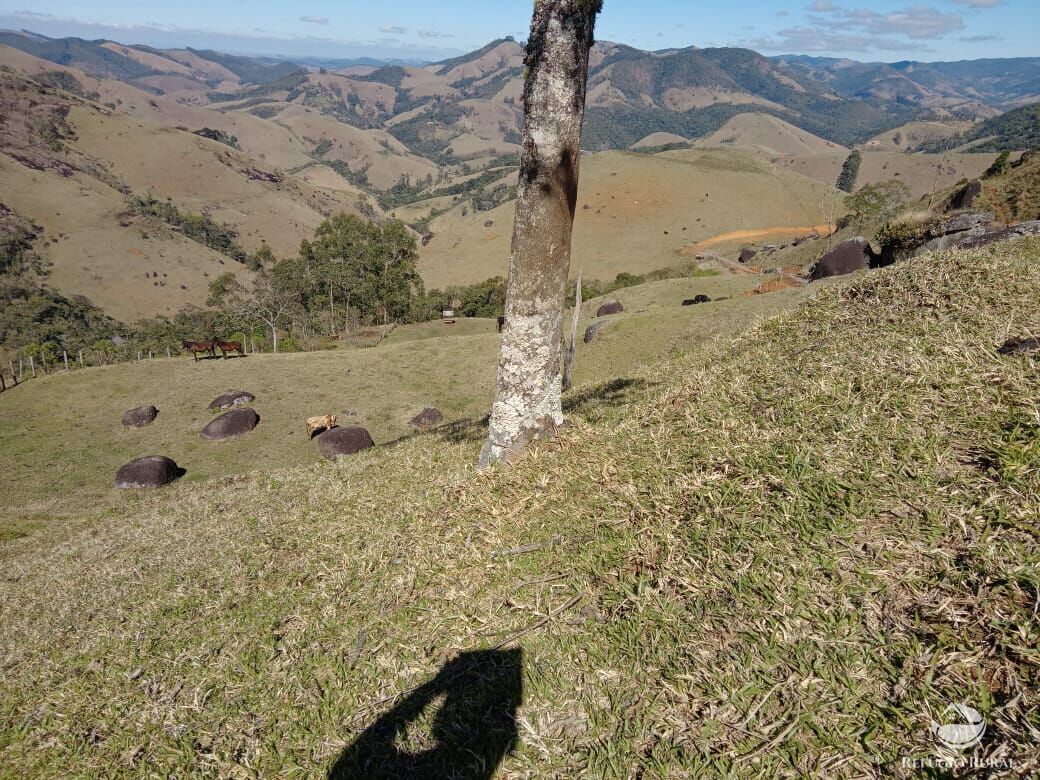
(473, 729)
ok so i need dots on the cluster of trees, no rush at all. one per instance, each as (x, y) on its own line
(198, 227)
(850, 171)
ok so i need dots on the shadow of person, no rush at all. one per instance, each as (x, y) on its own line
(472, 730)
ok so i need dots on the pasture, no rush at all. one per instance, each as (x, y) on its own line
(61, 440)
(774, 555)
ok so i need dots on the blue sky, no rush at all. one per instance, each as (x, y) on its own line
(859, 29)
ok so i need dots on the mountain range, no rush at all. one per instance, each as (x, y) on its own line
(469, 106)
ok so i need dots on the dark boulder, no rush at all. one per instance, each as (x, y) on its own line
(427, 417)
(231, 424)
(696, 299)
(966, 196)
(1016, 346)
(847, 257)
(343, 441)
(592, 332)
(746, 254)
(978, 236)
(151, 471)
(488, 222)
(231, 399)
(139, 417)
(610, 307)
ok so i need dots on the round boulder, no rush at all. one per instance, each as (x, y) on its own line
(231, 424)
(847, 257)
(593, 330)
(343, 441)
(151, 471)
(427, 417)
(139, 417)
(231, 399)
(610, 307)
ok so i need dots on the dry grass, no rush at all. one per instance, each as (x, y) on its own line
(769, 557)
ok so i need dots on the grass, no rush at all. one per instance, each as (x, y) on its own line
(61, 439)
(773, 555)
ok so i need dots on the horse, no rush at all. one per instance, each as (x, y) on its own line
(229, 346)
(195, 347)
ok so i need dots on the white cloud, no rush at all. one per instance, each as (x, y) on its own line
(434, 34)
(979, 3)
(323, 20)
(393, 29)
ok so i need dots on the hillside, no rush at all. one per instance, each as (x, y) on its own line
(771, 135)
(635, 212)
(776, 555)
(74, 167)
(1015, 131)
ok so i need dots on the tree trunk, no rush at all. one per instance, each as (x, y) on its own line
(527, 402)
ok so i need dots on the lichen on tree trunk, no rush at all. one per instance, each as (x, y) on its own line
(527, 402)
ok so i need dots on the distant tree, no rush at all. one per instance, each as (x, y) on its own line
(1000, 165)
(850, 171)
(269, 301)
(528, 394)
(877, 202)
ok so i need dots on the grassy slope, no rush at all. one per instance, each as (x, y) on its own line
(773, 556)
(450, 367)
(632, 199)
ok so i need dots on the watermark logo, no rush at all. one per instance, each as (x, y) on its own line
(961, 727)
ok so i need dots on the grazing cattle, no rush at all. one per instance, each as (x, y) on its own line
(322, 423)
(229, 346)
(195, 347)
(696, 299)
(501, 323)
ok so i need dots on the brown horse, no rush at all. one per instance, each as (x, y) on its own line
(229, 346)
(195, 347)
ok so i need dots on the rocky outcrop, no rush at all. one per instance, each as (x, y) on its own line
(337, 442)
(151, 471)
(592, 332)
(139, 417)
(971, 231)
(237, 422)
(427, 417)
(696, 299)
(747, 254)
(847, 257)
(965, 197)
(231, 399)
(610, 307)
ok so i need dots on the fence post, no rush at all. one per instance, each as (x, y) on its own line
(43, 361)
(32, 366)
(81, 358)
(149, 354)
(3, 384)
(168, 352)
(65, 357)
(21, 369)
(14, 376)
(138, 356)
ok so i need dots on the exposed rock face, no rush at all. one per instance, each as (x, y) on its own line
(151, 471)
(427, 417)
(696, 299)
(231, 424)
(231, 399)
(1016, 346)
(139, 417)
(980, 234)
(847, 257)
(610, 307)
(337, 442)
(746, 254)
(592, 332)
(965, 197)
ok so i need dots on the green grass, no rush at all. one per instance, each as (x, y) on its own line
(771, 556)
(61, 439)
